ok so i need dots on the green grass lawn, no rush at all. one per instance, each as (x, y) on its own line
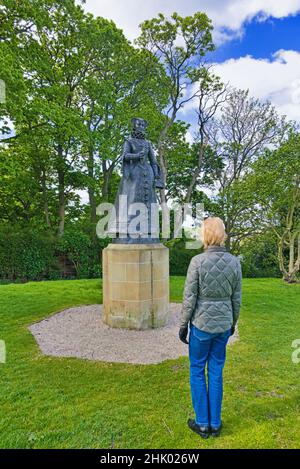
(51, 402)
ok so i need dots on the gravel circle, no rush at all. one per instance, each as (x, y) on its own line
(79, 332)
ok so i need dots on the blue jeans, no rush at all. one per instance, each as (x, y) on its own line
(210, 349)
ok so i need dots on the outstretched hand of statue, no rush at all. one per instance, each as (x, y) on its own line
(158, 180)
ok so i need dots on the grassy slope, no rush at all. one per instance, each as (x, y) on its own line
(70, 403)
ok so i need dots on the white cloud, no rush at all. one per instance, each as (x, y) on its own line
(235, 12)
(128, 14)
(277, 80)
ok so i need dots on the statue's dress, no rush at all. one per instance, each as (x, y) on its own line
(138, 184)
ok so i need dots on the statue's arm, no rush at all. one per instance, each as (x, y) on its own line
(127, 155)
(153, 161)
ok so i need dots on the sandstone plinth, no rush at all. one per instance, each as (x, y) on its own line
(135, 285)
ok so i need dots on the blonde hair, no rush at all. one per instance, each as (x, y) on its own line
(213, 232)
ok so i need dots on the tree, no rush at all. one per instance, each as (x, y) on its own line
(180, 44)
(53, 59)
(212, 93)
(275, 183)
(18, 188)
(246, 127)
(182, 170)
(77, 95)
(79, 82)
(16, 18)
(113, 95)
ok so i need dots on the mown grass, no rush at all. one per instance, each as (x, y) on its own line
(51, 402)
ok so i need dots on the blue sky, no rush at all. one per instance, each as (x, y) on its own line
(261, 39)
(258, 41)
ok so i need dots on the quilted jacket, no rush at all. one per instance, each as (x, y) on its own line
(212, 291)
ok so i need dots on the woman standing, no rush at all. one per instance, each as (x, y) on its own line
(211, 304)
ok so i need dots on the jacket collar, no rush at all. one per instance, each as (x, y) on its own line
(213, 248)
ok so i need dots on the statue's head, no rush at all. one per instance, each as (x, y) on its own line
(139, 124)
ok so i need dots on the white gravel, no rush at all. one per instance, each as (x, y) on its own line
(79, 332)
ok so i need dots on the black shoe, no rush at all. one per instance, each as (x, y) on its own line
(215, 431)
(202, 431)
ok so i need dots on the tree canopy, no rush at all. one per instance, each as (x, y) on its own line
(73, 82)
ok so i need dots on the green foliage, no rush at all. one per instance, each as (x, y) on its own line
(24, 254)
(83, 251)
(77, 247)
(161, 34)
(245, 128)
(180, 259)
(179, 256)
(76, 96)
(259, 256)
(71, 94)
(182, 161)
(31, 254)
(275, 184)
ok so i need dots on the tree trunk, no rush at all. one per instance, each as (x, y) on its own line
(61, 192)
(228, 232)
(91, 191)
(107, 174)
(289, 275)
(104, 191)
(163, 168)
(45, 199)
(164, 171)
(196, 173)
(228, 242)
(61, 202)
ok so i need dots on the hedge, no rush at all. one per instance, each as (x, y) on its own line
(31, 254)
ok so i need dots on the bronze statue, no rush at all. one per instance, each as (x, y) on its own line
(141, 176)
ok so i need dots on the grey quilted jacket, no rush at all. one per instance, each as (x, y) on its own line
(212, 291)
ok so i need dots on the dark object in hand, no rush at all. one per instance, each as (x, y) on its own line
(232, 330)
(159, 183)
(183, 332)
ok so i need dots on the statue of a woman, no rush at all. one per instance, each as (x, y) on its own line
(141, 177)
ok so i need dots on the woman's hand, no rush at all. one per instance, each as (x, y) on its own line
(183, 332)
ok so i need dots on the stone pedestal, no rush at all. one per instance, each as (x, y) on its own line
(135, 285)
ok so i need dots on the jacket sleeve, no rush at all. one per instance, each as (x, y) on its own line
(190, 293)
(236, 296)
(127, 155)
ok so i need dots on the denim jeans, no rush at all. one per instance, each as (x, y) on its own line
(206, 348)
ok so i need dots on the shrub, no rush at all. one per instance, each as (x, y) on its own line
(179, 256)
(259, 257)
(83, 251)
(24, 254)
